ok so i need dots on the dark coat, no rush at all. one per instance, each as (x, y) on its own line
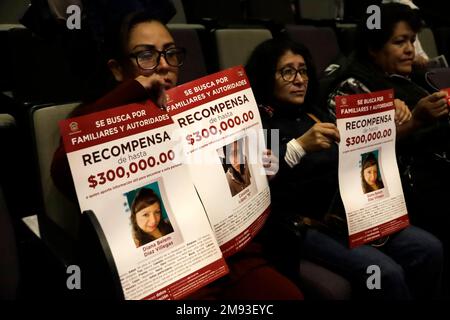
(309, 188)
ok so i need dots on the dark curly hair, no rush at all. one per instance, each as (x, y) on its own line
(113, 45)
(374, 39)
(262, 64)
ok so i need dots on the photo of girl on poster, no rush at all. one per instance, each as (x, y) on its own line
(147, 219)
(370, 173)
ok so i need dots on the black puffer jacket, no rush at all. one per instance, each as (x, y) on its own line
(307, 189)
(420, 144)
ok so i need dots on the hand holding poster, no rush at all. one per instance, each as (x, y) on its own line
(221, 132)
(126, 170)
(369, 179)
(448, 96)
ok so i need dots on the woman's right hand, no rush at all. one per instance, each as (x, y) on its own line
(318, 137)
(431, 107)
(420, 61)
(156, 88)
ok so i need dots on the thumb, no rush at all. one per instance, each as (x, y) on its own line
(162, 99)
(437, 95)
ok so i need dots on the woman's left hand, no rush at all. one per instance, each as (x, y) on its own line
(271, 163)
(402, 112)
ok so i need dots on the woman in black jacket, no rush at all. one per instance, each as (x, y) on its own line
(283, 79)
(383, 59)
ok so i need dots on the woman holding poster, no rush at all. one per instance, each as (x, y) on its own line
(283, 79)
(144, 62)
(383, 59)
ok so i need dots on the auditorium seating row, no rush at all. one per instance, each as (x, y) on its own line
(231, 12)
(37, 71)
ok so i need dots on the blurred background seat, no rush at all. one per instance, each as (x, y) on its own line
(59, 217)
(188, 36)
(316, 10)
(428, 42)
(321, 42)
(9, 261)
(234, 46)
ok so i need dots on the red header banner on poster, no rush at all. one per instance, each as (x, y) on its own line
(142, 195)
(223, 143)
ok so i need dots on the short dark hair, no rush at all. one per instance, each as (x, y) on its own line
(144, 197)
(374, 39)
(112, 45)
(262, 64)
(118, 33)
(369, 161)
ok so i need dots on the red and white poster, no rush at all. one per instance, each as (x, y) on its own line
(448, 95)
(222, 138)
(369, 179)
(126, 170)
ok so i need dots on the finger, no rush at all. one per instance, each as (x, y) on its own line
(161, 99)
(405, 119)
(443, 108)
(326, 130)
(326, 125)
(272, 169)
(267, 163)
(332, 134)
(325, 144)
(442, 113)
(437, 95)
(405, 116)
(443, 102)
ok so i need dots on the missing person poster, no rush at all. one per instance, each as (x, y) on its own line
(221, 133)
(126, 170)
(369, 180)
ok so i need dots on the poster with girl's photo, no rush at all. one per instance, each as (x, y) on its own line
(149, 217)
(223, 143)
(369, 180)
(131, 178)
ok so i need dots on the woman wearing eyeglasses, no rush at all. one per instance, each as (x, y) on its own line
(283, 80)
(144, 62)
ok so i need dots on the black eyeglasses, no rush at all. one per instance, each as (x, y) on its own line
(289, 74)
(149, 59)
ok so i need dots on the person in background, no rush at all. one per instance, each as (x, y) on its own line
(383, 60)
(283, 79)
(421, 58)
